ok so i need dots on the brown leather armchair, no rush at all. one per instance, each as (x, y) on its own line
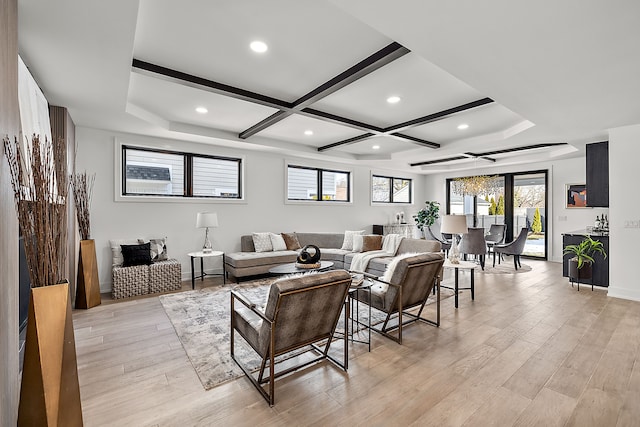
(409, 284)
(300, 312)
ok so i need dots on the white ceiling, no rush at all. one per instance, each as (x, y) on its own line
(559, 72)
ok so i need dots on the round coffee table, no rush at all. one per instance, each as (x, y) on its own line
(291, 268)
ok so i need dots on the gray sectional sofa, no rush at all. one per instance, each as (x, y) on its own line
(247, 263)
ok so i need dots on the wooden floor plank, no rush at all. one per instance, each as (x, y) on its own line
(530, 350)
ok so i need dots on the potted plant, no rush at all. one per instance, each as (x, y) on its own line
(427, 216)
(580, 265)
(50, 392)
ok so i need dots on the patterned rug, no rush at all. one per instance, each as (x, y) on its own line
(201, 319)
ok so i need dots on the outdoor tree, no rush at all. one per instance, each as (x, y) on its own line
(492, 206)
(500, 207)
(536, 227)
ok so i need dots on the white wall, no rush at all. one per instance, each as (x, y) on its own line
(560, 219)
(624, 152)
(264, 208)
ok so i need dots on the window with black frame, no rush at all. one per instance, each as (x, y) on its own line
(388, 189)
(316, 184)
(165, 173)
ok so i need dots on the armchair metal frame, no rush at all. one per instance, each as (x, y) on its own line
(398, 310)
(269, 356)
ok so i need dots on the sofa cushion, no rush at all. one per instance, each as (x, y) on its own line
(252, 259)
(262, 242)
(332, 254)
(358, 242)
(347, 243)
(321, 240)
(136, 255)
(372, 242)
(277, 242)
(291, 240)
(158, 248)
(116, 250)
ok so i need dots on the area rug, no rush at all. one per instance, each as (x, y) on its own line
(201, 319)
(504, 268)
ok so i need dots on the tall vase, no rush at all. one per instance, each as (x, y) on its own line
(50, 392)
(88, 284)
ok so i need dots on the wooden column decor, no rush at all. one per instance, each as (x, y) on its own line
(50, 393)
(88, 285)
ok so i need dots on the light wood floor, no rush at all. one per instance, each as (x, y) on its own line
(530, 350)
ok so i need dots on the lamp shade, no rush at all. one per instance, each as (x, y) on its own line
(454, 224)
(207, 219)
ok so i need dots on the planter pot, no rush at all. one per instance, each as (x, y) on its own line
(87, 285)
(583, 274)
(50, 393)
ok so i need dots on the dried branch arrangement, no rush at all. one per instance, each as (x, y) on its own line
(41, 203)
(82, 188)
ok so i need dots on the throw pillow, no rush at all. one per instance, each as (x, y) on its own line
(347, 243)
(136, 254)
(158, 249)
(291, 239)
(116, 250)
(372, 242)
(358, 242)
(262, 242)
(277, 242)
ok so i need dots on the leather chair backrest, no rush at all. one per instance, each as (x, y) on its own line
(416, 275)
(305, 308)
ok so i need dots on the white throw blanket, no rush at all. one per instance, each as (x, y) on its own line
(390, 244)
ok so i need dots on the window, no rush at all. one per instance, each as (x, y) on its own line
(150, 172)
(304, 183)
(387, 189)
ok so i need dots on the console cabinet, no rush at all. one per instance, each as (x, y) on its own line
(598, 174)
(600, 269)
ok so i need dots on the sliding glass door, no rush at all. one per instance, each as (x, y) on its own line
(519, 202)
(529, 210)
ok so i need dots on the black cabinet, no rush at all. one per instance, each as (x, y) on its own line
(600, 270)
(598, 174)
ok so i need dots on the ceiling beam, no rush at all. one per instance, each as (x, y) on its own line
(368, 65)
(184, 79)
(347, 141)
(438, 116)
(395, 130)
(433, 162)
(514, 149)
(419, 141)
(484, 155)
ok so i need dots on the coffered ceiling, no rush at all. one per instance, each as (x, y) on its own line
(321, 88)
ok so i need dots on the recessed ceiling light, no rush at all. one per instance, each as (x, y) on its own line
(258, 46)
(202, 110)
(393, 99)
(463, 126)
(308, 132)
(376, 147)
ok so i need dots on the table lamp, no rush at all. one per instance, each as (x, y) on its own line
(206, 220)
(454, 225)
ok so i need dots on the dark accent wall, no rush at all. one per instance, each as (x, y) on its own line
(9, 125)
